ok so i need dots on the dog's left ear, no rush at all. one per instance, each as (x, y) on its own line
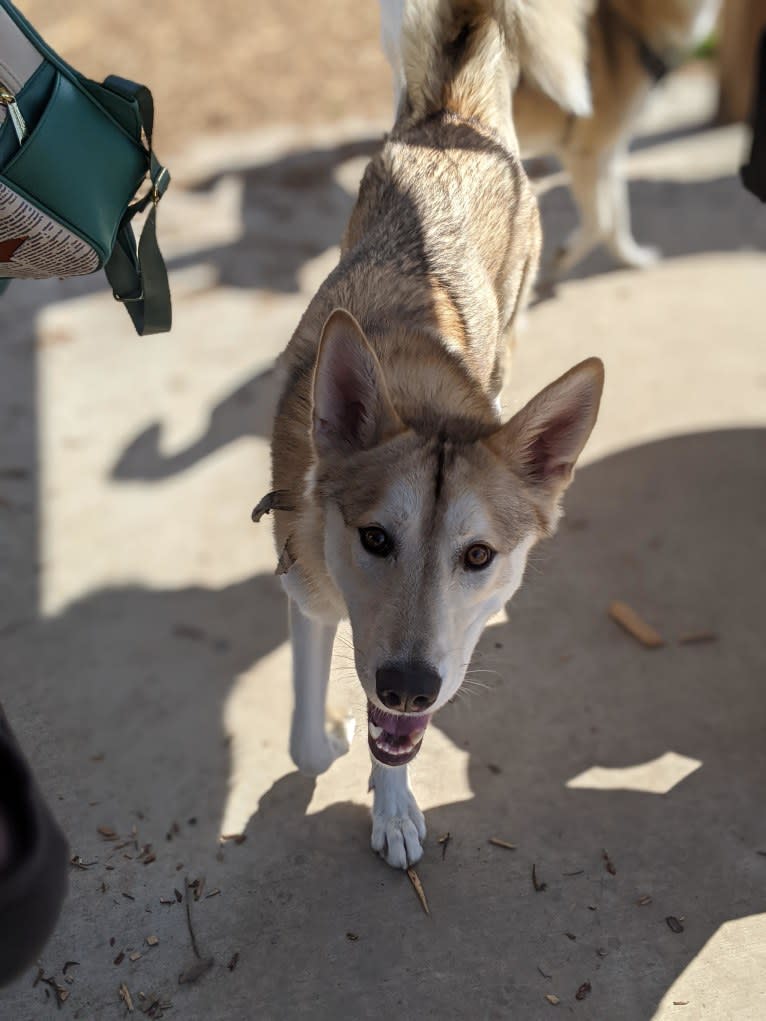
(542, 441)
(352, 409)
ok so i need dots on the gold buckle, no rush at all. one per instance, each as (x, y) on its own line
(155, 186)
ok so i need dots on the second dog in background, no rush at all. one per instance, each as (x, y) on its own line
(632, 44)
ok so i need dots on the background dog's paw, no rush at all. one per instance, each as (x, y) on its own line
(636, 256)
(317, 755)
(398, 834)
(341, 732)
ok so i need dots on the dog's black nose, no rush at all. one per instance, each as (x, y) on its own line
(411, 688)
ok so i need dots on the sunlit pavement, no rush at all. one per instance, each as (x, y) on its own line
(143, 634)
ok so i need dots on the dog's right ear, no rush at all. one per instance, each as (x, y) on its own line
(352, 409)
(542, 441)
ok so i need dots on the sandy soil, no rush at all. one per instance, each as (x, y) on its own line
(230, 65)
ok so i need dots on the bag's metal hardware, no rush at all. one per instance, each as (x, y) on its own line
(8, 100)
(125, 301)
(156, 194)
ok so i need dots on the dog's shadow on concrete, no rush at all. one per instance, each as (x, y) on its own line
(674, 529)
(293, 209)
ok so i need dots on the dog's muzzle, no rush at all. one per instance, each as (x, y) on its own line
(395, 740)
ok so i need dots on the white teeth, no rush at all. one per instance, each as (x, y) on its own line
(396, 750)
(417, 736)
(375, 732)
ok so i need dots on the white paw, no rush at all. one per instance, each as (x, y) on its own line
(314, 754)
(636, 256)
(398, 826)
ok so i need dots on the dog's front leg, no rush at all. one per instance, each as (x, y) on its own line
(398, 826)
(312, 749)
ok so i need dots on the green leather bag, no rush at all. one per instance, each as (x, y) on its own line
(74, 155)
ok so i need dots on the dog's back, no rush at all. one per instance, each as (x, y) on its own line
(445, 224)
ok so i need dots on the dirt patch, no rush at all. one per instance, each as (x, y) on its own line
(231, 65)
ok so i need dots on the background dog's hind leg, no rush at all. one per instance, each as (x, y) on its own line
(600, 190)
(312, 749)
(620, 240)
(398, 826)
(593, 197)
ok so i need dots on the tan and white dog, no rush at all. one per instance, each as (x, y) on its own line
(632, 45)
(401, 500)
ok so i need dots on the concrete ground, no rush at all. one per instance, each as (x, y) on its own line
(143, 650)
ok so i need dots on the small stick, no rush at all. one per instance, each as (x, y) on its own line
(415, 880)
(583, 991)
(235, 838)
(189, 925)
(539, 887)
(697, 637)
(126, 997)
(628, 619)
(502, 843)
(444, 840)
(78, 863)
(203, 963)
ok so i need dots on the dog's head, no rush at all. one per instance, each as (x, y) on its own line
(427, 531)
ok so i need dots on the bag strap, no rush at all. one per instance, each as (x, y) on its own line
(138, 276)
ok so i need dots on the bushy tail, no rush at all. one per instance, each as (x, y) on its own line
(460, 54)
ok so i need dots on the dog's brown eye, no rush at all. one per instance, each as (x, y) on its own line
(477, 556)
(376, 541)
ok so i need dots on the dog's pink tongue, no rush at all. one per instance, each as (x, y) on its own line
(399, 726)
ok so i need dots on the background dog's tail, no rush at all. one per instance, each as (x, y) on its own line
(464, 55)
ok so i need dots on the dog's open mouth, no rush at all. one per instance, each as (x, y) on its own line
(394, 740)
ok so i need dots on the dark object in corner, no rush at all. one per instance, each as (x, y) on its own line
(33, 874)
(753, 173)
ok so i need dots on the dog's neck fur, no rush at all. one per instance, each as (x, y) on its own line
(433, 381)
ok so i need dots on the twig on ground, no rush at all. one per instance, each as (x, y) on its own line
(418, 886)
